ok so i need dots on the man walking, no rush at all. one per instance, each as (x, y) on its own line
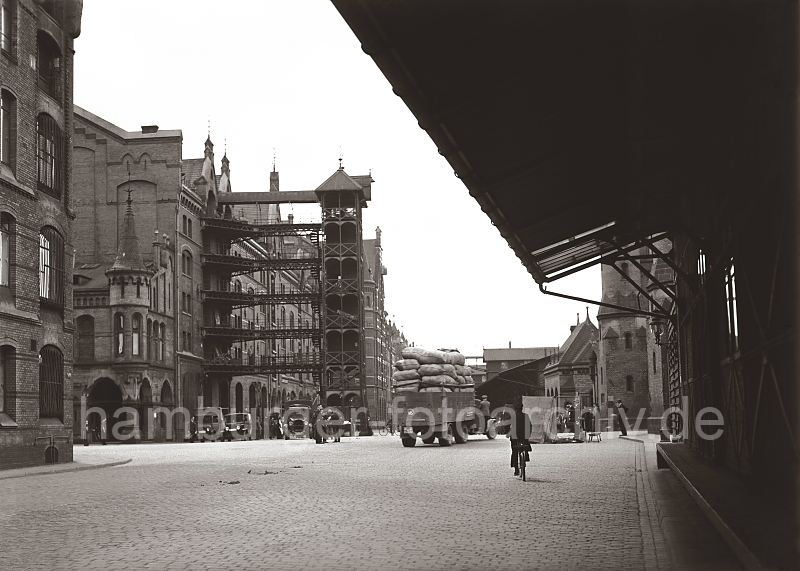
(621, 411)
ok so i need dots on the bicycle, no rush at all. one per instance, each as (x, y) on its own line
(522, 459)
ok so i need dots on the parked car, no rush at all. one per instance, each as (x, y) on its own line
(238, 426)
(210, 425)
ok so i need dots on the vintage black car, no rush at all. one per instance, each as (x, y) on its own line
(297, 420)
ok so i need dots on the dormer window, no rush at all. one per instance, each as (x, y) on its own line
(48, 64)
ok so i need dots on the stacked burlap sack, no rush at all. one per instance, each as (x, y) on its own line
(431, 370)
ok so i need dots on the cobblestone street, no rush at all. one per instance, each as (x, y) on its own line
(366, 503)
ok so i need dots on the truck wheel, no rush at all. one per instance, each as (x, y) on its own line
(461, 434)
(429, 440)
(408, 441)
(446, 438)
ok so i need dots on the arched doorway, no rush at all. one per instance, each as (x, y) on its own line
(164, 420)
(334, 400)
(251, 397)
(103, 401)
(224, 395)
(262, 410)
(145, 410)
(239, 398)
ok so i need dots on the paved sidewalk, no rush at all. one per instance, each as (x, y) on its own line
(685, 538)
(365, 503)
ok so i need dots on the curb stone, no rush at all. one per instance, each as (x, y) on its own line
(66, 468)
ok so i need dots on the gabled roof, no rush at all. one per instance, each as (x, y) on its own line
(369, 259)
(517, 353)
(339, 180)
(191, 169)
(577, 347)
(95, 273)
(120, 133)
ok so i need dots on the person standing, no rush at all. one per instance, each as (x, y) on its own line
(103, 430)
(486, 411)
(621, 411)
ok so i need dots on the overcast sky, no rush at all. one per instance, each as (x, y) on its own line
(290, 75)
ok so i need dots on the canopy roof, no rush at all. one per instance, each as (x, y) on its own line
(578, 125)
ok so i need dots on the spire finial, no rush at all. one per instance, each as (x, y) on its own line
(209, 127)
(225, 147)
(274, 156)
(340, 158)
(129, 201)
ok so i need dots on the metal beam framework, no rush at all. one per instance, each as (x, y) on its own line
(615, 252)
(275, 331)
(288, 364)
(239, 299)
(238, 265)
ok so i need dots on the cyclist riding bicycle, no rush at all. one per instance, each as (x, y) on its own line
(518, 434)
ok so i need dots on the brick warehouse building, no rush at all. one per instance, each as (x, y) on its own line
(169, 196)
(36, 220)
(154, 352)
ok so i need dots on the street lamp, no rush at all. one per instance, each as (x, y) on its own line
(657, 326)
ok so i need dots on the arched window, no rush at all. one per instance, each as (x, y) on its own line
(8, 374)
(6, 247)
(8, 127)
(119, 334)
(51, 383)
(184, 224)
(51, 266)
(628, 340)
(189, 233)
(629, 383)
(136, 334)
(85, 325)
(149, 334)
(186, 263)
(7, 15)
(161, 347)
(237, 286)
(49, 155)
(48, 64)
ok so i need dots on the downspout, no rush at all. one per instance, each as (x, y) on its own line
(177, 312)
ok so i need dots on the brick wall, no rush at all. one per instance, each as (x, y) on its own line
(24, 324)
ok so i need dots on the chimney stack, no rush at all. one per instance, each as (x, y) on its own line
(156, 251)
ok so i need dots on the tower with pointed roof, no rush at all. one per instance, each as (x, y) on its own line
(342, 199)
(129, 293)
(622, 361)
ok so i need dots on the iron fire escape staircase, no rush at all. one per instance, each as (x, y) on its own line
(218, 338)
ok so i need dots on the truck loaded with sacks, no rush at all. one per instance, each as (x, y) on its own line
(435, 398)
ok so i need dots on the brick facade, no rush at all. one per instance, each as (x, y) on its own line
(39, 87)
(623, 362)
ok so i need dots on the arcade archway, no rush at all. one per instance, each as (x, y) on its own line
(104, 400)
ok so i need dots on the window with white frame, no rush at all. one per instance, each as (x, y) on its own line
(51, 266)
